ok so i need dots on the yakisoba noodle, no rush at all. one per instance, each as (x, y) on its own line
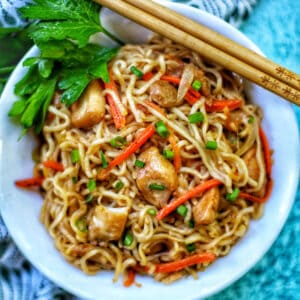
(109, 221)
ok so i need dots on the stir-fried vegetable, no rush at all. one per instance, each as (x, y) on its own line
(29, 182)
(54, 165)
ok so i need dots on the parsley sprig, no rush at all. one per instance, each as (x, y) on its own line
(61, 29)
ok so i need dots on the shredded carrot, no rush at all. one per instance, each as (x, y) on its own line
(148, 76)
(188, 195)
(257, 199)
(130, 149)
(29, 182)
(130, 278)
(267, 152)
(220, 105)
(54, 165)
(156, 107)
(185, 262)
(177, 157)
(118, 117)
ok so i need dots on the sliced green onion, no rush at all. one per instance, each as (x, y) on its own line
(211, 145)
(191, 247)
(151, 212)
(191, 223)
(197, 117)
(103, 160)
(251, 120)
(81, 225)
(168, 154)
(162, 129)
(136, 72)
(89, 198)
(75, 156)
(128, 239)
(117, 142)
(196, 85)
(156, 187)
(234, 195)
(119, 185)
(91, 185)
(139, 163)
(74, 180)
(182, 210)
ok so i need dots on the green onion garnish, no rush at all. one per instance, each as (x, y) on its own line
(89, 198)
(168, 154)
(196, 85)
(211, 145)
(197, 117)
(128, 239)
(81, 225)
(117, 142)
(191, 247)
(191, 223)
(103, 160)
(156, 187)
(91, 185)
(251, 120)
(119, 185)
(139, 163)
(233, 196)
(74, 180)
(162, 129)
(182, 210)
(136, 72)
(151, 212)
(75, 156)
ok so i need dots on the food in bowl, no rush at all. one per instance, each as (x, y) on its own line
(157, 169)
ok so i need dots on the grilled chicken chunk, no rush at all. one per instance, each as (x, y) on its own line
(205, 211)
(107, 223)
(164, 94)
(90, 108)
(157, 170)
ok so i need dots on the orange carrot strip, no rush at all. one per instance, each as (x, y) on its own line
(219, 105)
(130, 278)
(156, 107)
(117, 115)
(29, 182)
(257, 199)
(267, 152)
(148, 76)
(190, 98)
(131, 148)
(185, 262)
(188, 195)
(54, 165)
(177, 157)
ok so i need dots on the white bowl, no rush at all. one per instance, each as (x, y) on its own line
(20, 209)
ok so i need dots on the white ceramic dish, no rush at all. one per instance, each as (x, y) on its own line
(20, 209)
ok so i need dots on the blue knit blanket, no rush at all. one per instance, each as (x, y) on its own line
(275, 27)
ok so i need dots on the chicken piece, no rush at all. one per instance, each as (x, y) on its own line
(164, 94)
(90, 108)
(157, 170)
(253, 168)
(107, 223)
(205, 211)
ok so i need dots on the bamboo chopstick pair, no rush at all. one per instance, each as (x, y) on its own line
(210, 45)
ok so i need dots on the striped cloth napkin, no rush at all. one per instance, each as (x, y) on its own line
(21, 281)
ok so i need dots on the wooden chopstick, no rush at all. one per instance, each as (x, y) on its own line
(210, 52)
(219, 41)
